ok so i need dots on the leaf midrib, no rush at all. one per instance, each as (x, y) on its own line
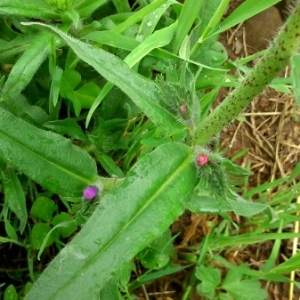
(154, 195)
(53, 163)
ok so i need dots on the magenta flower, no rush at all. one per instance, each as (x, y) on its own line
(90, 192)
(202, 160)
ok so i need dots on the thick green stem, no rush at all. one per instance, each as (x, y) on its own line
(274, 60)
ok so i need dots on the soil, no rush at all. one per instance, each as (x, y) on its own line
(271, 129)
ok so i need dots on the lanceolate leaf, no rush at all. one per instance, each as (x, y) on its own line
(44, 156)
(127, 219)
(15, 196)
(33, 8)
(27, 65)
(143, 92)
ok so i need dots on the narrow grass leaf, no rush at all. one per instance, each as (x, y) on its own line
(7, 240)
(295, 172)
(127, 219)
(109, 165)
(121, 6)
(15, 46)
(264, 187)
(288, 266)
(188, 15)
(158, 39)
(143, 92)
(295, 63)
(150, 21)
(215, 18)
(111, 38)
(120, 41)
(55, 85)
(150, 277)
(15, 196)
(67, 126)
(245, 11)
(139, 15)
(24, 69)
(47, 158)
(86, 7)
(249, 238)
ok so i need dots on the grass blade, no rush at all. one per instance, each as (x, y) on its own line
(25, 68)
(188, 15)
(245, 11)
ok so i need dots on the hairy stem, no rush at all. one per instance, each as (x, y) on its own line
(274, 60)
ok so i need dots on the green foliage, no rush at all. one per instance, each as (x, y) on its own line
(119, 95)
(234, 285)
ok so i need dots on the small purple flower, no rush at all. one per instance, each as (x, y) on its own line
(202, 160)
(90, 192)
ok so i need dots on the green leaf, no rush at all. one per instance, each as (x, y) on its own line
(44, 156)
(126, 220)
(43, 208)
(15, 196)
(26, 66)
(295, 64)
(55, 85)
(20, 107)
(247, 239)
(150, 277)
(70, 79)
(289, 265)
(207, 204)
(86, 7)
(109, 165)
(68, 228)
(10, 230)
(210, 279)
(8, 240)
(10, 293)
(245, 208)
(87, 94)
(188, 15)
(68, 127)
(33, 8)
(143, 92)
(204, 202)
(122, 6)
(158, 253)
(15, 46)
(209, 274)
(246, 289)
(157, 39)
(245, 11)
(139, 15)
(216, 17)
(110, 291)
(39, 233)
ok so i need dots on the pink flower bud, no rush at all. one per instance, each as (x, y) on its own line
(90, 192)
(183, 109)
(202, 160)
